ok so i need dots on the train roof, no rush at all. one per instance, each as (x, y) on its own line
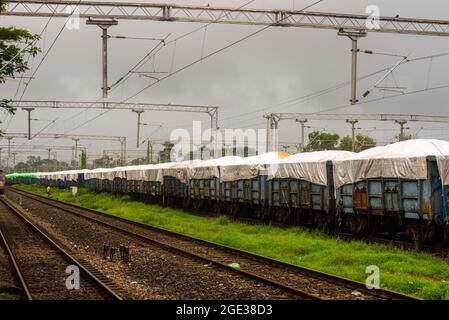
(405, 160)
(308, 166)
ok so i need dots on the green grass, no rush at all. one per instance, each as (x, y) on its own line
(8, 296)
(413, 273)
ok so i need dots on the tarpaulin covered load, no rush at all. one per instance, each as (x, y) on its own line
(404, 160)
(96, 173)
(443, 167)
(209, 169)
(16, 175)
(308, 166)
(180, 170)
(69, 175)
(137, 173)
(248, 168)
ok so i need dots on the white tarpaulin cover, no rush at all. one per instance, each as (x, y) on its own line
(406, 160)
(209, 169)
(308, 166)
(443, 167)
(180, 170)
(248, 168)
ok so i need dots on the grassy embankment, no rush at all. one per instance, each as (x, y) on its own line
(413, 273)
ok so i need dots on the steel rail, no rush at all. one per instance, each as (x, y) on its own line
(16, 267)
(87, 270)
(145, 239)
(380, 293)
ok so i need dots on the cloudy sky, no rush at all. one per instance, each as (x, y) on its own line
(269, 72)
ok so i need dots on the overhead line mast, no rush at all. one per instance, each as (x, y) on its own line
(273, 120)
(352, 25)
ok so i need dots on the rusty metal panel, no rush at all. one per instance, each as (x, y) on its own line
(305, 194)
(360, 194)
(392, 189)
(284, 193)
(294, 193)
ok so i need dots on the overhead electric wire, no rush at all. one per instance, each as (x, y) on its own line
(117, 82)
(193, 63)
(216, 52)
(44, 29)
(148, 56)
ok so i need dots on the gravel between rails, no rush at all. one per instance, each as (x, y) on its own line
(320, 287)
(153, 272)
(42, 265)
(8, 279)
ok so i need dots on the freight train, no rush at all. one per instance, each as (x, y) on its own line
(399, 188)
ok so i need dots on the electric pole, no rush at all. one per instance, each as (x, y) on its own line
(139, 112)
(14, 159)
(302, 122)
(76, 147)
(28, 109)
(9, 150)
(354, 36)
(49, 153)
(104, 25)
(149, 152)
(401, 124)
(353, 123)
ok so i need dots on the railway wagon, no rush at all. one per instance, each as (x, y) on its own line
(146, 182)
(403, 187)
(2, 182)
(396, 188)
(175, 185)
(301, 189)
(205, 187)
(243, 186)
(24, 178)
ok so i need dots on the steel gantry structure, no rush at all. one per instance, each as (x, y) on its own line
(74, 137)
(208, 14)
(139, 108)
(105, 14)
(302, 118)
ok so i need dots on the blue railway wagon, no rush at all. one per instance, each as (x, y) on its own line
(81, 180)
(204, 194)
(294, 201)
(245, 197)
(174, 191)
(397, 204)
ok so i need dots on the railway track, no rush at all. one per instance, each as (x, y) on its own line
(303, 282)
(39, 262)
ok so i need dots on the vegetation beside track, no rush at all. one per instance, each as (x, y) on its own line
(408, 272)
(8, 296)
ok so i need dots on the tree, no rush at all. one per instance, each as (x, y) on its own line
(15, 45)
(83, 159)
(138, 161)
(406, 136)
(319, 141)
(362, 142)
(104, 162)
(164, 154)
